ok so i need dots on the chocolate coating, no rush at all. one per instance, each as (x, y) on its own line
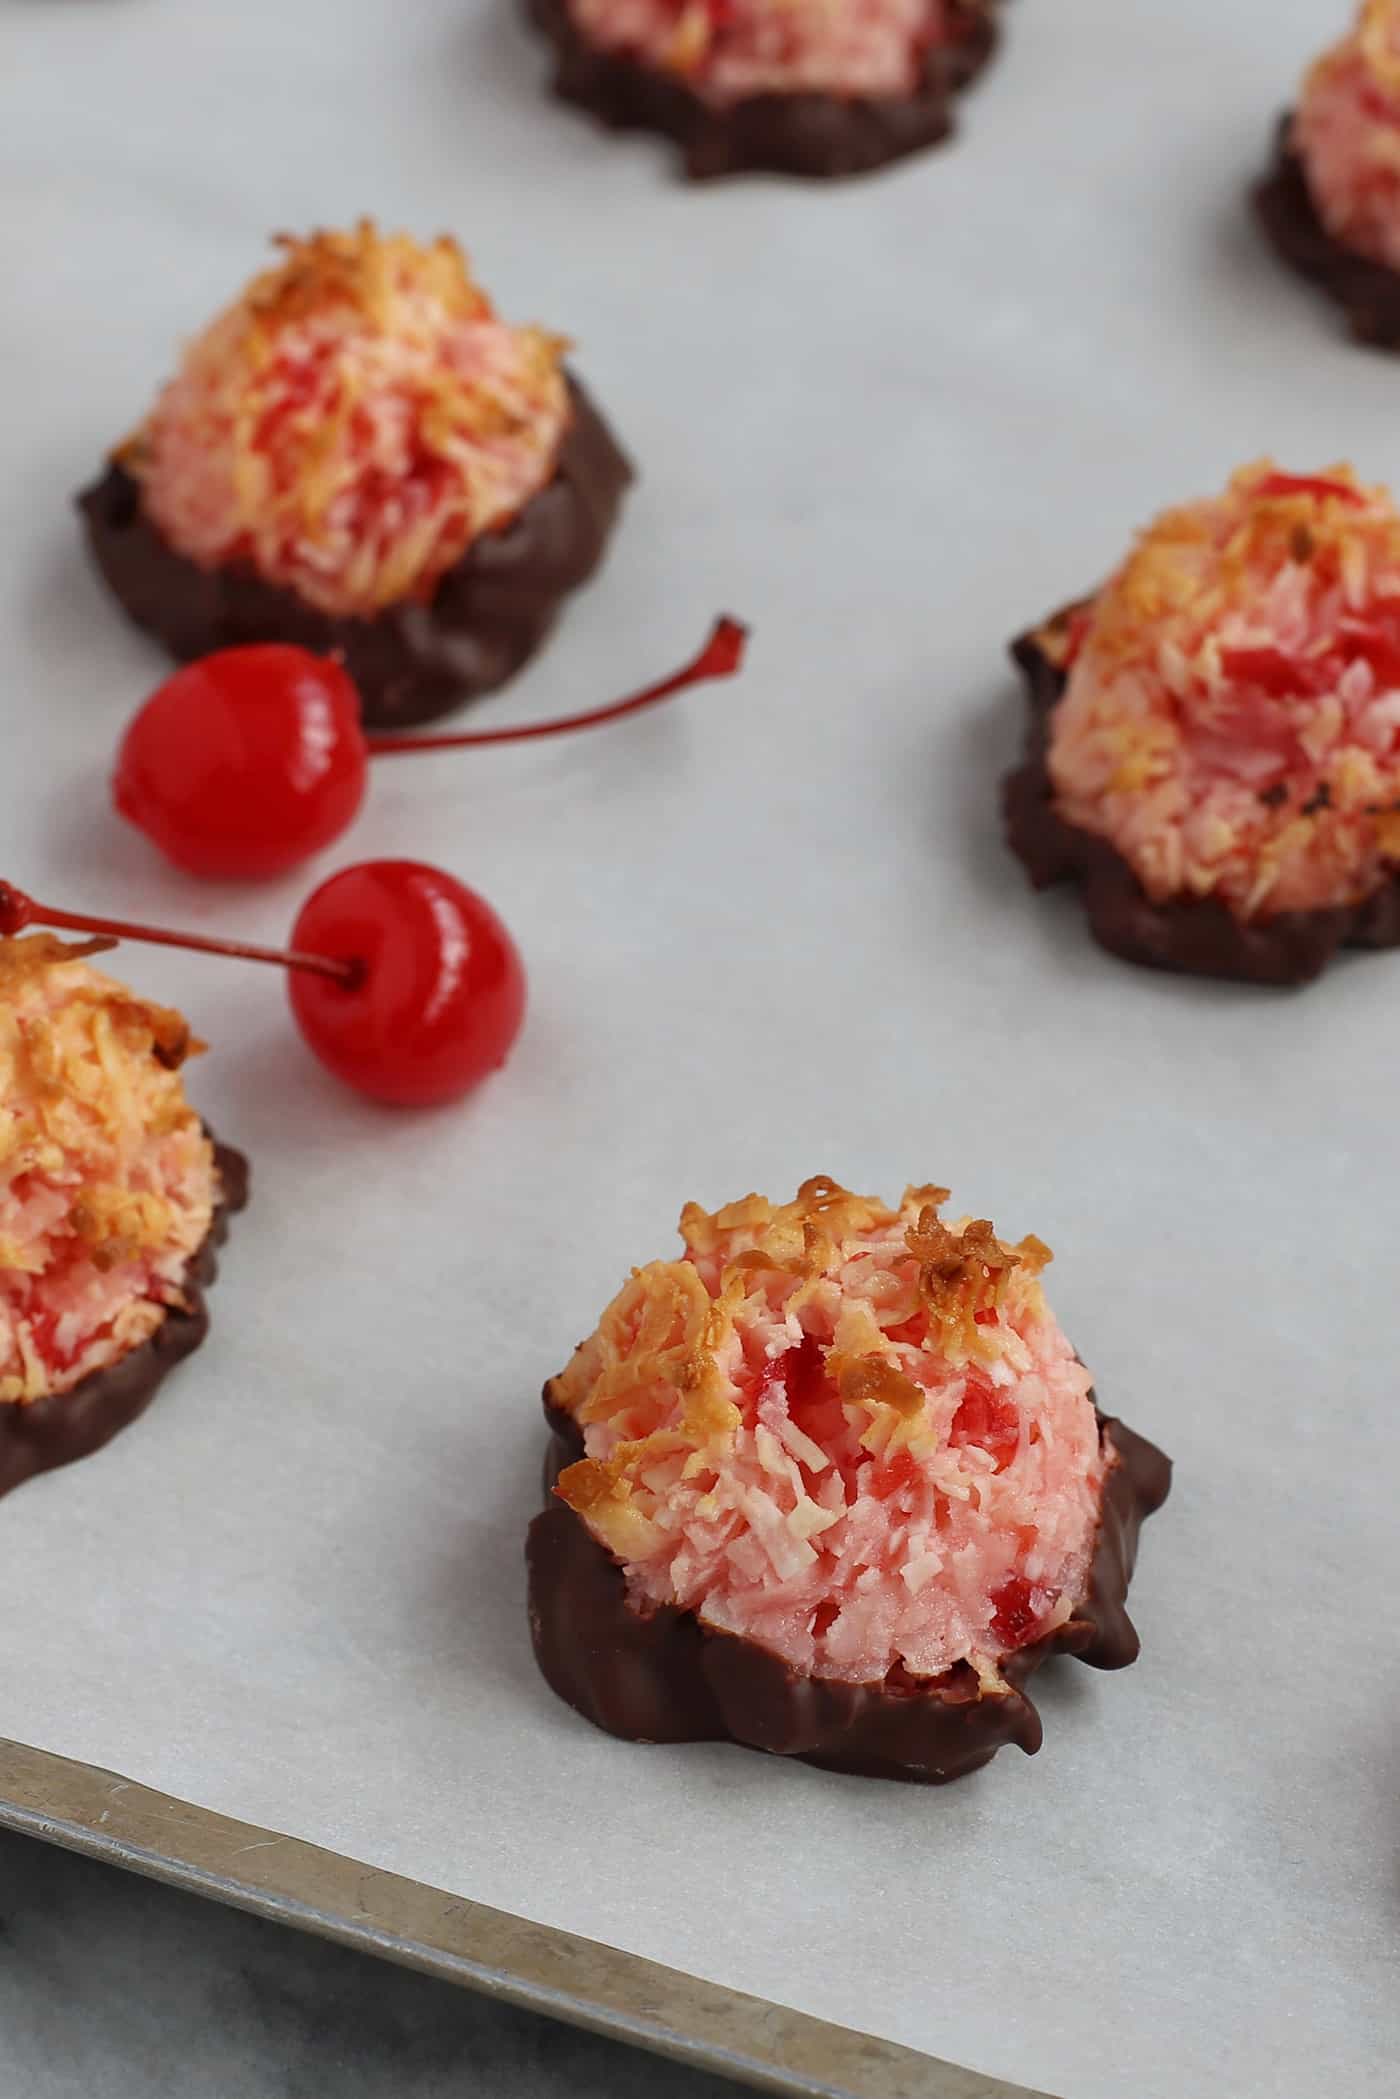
(798, 134)
(42, 1433)
(412, 661)
(1197, 935)
(664, 1677)
(1368, 292)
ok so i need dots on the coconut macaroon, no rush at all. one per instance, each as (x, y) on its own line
(345, 456)
(727, 49)
(833, 1484)
(111, 1195)
(1346, 131)
(1331, 203)
(1215, 737)
(810, 87)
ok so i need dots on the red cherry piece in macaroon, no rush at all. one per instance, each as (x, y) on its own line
(1321, 485)
(987, 1419)
(1014, 1614)
(440, 991)
(246, 763)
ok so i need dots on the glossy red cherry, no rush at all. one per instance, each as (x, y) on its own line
(245, 763)
(253, 759)
(403, 981)
(442, 993)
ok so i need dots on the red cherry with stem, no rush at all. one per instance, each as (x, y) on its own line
(245, 763)
(403, 981)
(19, 911)
(447, 985)
(251, 760)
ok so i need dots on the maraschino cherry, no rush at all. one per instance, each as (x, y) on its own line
(251, 760)
(439, 993)
(403, 981)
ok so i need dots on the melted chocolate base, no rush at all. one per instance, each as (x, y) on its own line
(42, 1433)
(801, 134)
(1368, 292)
(662, 1676)
(413, 661)
(1197, 935)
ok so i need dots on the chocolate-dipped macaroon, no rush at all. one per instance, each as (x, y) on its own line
(833, 1485)
(1331, 201)
(799, 87)
(1214, 741)
(112, 1199)
(359, 455)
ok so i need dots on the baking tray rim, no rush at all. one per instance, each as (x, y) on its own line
(557, 1974)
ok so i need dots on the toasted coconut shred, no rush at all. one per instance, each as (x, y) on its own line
(107, 1180)
(352, 423)
(727, 49)
(1231, 720)
(855, 1435)
(1346, 131)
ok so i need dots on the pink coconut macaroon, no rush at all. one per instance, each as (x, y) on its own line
(352, 423)
(736, 48)
(806, 87)
(1226, 728)
(838, 1484)
(111, 1197)
(360, 455)
(1331, 203)
(1346, 130)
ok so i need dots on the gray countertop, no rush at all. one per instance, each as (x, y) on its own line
(114, 1988)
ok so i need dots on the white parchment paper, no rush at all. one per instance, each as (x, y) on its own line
(770, 931)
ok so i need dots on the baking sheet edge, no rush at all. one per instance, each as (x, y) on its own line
(555, 1973)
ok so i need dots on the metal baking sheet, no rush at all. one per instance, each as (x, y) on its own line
(531, 1965)
(770, 931)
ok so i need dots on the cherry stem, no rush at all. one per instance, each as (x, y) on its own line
(18, 911)
(720, 658)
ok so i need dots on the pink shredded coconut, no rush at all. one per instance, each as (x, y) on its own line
(1347, 133)
(852, 1434)
(352, 423)
(728, 49)
(107, 1180)
(1231, 720)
